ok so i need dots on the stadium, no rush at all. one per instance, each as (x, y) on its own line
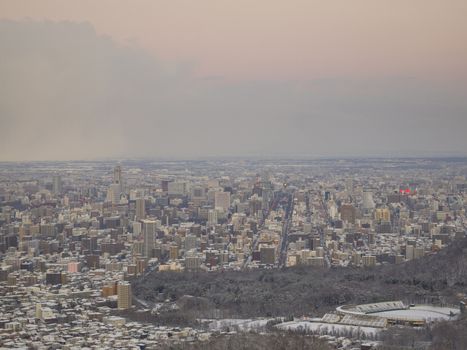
(396, 312)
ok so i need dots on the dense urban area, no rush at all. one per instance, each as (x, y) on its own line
(234, 254)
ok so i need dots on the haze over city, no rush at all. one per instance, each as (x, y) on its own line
(186, 79)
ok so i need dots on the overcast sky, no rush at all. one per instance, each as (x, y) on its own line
(94, 79)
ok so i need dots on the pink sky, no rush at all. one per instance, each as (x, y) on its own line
(272, 39)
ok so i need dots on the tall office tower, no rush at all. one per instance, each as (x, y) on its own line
(149, 230)
(409, 252)
(140, 208)
(348, 213)
(191, 242)
(212, 217)
(113, 193)
(136, 228)
(173, 252)
(124, 295)
(255, 205)
(332, 209)
(267, 194)
(118, 174)
(118, 178)
(165, 185)
(368, 202)
(57, 184)
(222, 200)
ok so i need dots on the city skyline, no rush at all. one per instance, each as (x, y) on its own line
(161, 254)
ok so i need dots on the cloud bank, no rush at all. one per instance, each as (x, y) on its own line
(68, 93)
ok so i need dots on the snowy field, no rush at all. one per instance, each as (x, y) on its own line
(421, 312)
(240, 324)
(328, 328)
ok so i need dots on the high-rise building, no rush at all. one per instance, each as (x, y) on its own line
(268, 255)
(418, 252)
(191, 242)
(193, 262)
(178, 188)
(348, 213)
(368, 202)
(140, 209)
(137, 227)
(356, 258)
(74, 266)
(409, 252)
(212, 217)
(149, 230)
(134, 194)
(113, 193)
(267, 195)
(57, 184)
(222, 201)
(124, 295)
(255, 205)
(118, 181)
(173, 252)
(165, 185)
(382, 214)
(369, 260)
(197, 192)
(118, 175)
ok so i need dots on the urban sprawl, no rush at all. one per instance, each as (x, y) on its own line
(73, 235)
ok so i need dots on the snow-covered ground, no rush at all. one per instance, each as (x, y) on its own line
(421, 312)
(328, 328)
(316, 326)
(240, 324)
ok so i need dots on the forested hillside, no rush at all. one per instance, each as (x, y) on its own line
(305, 290)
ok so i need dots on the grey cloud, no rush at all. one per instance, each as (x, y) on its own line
(67, 93)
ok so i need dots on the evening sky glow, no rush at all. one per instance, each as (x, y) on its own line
(169, 78)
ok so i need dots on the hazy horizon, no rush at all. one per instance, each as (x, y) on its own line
(216, 79)
(245, 158)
